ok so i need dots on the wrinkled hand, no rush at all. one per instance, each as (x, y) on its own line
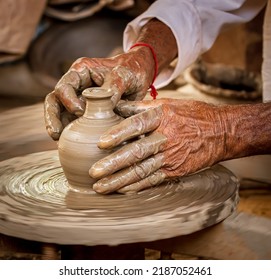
(128, 74)
(180, 137)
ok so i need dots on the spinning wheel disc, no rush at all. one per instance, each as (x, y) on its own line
(36, 204)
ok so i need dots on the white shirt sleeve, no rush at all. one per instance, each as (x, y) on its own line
(195, 25)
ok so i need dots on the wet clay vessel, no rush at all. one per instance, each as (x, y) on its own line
(77, 146)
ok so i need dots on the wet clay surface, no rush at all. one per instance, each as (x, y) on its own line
(77, 145)
(36, 204)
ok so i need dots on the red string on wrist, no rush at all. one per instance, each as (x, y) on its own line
(153, 92)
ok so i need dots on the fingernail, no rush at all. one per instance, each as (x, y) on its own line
(98, 188)
(115, 99)
(105, 141)
(54, 134)
(96, 171)
(79, 113)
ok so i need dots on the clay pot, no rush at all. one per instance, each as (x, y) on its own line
(77, 146)
(224, 81)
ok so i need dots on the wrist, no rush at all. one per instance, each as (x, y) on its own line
(161, 38)
(224, 133)
(145, 59)
(246, 130)
(153, 91)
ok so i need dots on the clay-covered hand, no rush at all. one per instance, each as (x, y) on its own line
(128, 75)
(167, 138)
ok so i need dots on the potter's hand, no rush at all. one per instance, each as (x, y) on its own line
(181, 137)
(128, 75)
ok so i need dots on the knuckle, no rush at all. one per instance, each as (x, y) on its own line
(145, 168)
(140, 172)
(156, 179)
(60, 89)
(139, 151)
(122, 72)
(139, 122)
(71, 78)
(79, 62)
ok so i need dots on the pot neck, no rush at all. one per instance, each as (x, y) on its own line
(98, 103)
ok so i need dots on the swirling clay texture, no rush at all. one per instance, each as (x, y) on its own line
(36, 204)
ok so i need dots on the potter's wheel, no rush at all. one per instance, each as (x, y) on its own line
(35, 204)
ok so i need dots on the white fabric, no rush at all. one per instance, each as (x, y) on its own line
(195, 25)
(266, 69)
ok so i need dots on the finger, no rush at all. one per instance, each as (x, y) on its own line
(129, 128)
(67, 96)
(116, 82)
(154, 179)
(98, 76)
(135, 96)
(128, 155)
(129, 175)
(67, 88)
(93, 68)
(85, 79)
(119, 80)
(66, 118)
(52, 109)
(129, 108)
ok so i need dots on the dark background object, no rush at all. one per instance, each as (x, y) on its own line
(52, 53)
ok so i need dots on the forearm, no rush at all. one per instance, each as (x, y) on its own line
(192, 23)
(162, 40)
(247, 130)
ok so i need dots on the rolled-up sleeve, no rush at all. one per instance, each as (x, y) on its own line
(195, 25)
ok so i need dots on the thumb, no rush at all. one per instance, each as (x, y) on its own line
(122, 81)
(129, 108)
(115, 82)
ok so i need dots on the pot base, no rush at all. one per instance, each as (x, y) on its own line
(85, 190)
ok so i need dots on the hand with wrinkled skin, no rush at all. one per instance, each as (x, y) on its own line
(125, 74)
(181, 137)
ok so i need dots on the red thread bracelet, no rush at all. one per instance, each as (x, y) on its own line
(153, 89)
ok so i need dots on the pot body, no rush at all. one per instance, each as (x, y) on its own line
(77, 146)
